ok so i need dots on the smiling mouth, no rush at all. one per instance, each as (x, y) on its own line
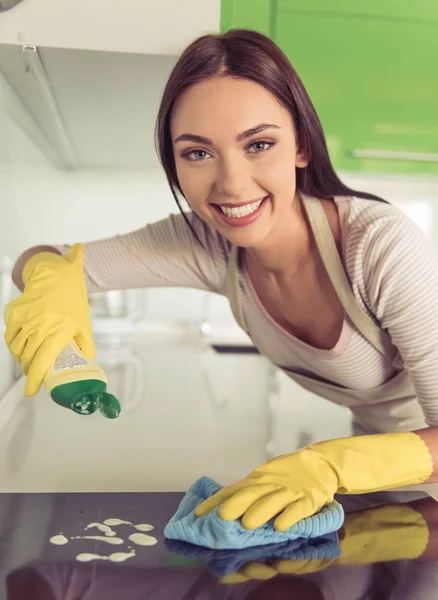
(238, 212)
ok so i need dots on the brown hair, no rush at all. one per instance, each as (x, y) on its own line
(247, 54)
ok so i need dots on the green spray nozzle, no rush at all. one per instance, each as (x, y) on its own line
(87, 403)
(85, 397)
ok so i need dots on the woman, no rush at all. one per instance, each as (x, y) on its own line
(335, 286)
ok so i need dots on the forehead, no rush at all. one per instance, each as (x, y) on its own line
(225, 104)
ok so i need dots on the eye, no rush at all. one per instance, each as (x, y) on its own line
(194, 155)
(260, 146)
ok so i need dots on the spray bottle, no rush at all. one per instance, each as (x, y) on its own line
(76, 383)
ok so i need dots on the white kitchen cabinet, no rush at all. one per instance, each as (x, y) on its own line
(138, 26)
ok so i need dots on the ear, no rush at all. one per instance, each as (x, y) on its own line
(301, 160)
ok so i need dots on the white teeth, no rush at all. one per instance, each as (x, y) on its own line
(241, 211)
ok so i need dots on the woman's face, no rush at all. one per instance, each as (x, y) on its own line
(235, 153)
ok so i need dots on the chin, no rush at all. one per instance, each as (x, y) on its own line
(247, 239)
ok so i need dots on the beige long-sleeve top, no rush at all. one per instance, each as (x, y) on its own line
(391, 266)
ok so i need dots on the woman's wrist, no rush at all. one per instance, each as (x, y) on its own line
(17, 272)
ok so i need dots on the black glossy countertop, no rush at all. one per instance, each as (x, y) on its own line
(34, 568)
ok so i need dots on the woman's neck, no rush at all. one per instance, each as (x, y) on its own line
(287, 250)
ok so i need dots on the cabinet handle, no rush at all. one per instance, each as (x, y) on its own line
(395, 155)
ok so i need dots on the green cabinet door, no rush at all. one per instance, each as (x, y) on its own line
(374, 81)
(420, 10)
(259, 15)
(374, 84)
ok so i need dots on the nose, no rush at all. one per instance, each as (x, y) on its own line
(233, 178)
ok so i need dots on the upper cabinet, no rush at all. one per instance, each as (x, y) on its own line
(421, 10)
(81, 109)
(371, 71)
(138, 26)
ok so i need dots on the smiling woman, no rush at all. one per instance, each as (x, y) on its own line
(336, 287)
(236, 178)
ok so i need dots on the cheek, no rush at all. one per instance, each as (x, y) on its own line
(195, 183)
(279, 173)
(278, 168)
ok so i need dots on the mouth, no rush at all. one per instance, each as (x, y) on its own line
(243, 214)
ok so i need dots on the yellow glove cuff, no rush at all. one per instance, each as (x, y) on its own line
(76, 253)
(370, 463)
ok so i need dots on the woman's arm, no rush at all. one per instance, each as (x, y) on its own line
(400, 275)
(400, 284)
(22, 260)
(162, 254)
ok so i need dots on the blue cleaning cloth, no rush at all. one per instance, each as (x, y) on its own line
(212, 532)
(225, 562)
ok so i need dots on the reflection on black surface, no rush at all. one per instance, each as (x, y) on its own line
(49, 581)
(407, 580)
(389, 551)
(226, 562)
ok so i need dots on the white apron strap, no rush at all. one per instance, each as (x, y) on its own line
(332, 262)
(232, 287)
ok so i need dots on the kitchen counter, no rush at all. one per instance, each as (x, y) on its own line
(187, 411)
(32, 567)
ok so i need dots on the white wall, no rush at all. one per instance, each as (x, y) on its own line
(61, 206)
(417, 197)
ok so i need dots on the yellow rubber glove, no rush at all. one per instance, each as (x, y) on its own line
(52, 310)
(298, 485)
(382, 534)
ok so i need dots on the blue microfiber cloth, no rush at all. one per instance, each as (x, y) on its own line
(212, 532)
(225, 562)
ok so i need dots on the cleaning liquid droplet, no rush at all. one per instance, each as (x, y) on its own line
(100, 538)
(144, 527)
(103, 528)
(115, 557)
(115, 522)
(58, 540)
(141, 539)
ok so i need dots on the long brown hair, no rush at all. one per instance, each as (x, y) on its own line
(247, 54)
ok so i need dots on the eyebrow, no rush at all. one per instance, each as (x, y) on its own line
(199, 139)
